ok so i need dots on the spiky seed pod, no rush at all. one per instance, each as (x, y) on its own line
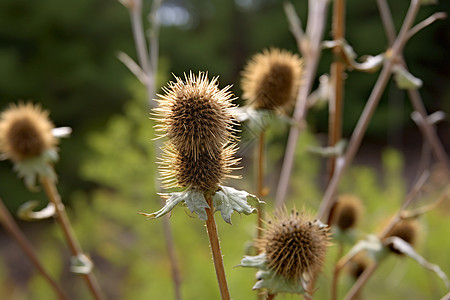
(196, 115)
(197, 118)
(346, 212)
(407, 230)
(357, 265)
(271, 79)
(295, 245)
(204, 172)
(25, 132)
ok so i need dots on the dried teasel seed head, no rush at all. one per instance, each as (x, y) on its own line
(294, 244)
(357, 265)
(271, 79)
(206, 171)
(197, 118)
(25, 132)
(407, 230)
(346, 212)
(196, 115)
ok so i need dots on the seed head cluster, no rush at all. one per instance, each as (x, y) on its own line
(196, 117)
(25, 132)
(271, 79)
(407, 230)
(294, 244)
(346, 212)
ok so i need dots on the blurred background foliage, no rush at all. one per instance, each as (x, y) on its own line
(63, 55)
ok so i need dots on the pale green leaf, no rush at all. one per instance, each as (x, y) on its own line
(26, 212)
(405, 80)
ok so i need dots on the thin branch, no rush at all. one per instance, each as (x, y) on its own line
(215, 249)
(260, 183)
(388, 21)
(413, 94)
(64, 222)
(154, 42)
(11, 226)
(295, 24)
(311, 52)
(172, 257)
(427, 22)
(369, 109)
(135, 10)
(361, 281)
(427, 128)
(133, 67)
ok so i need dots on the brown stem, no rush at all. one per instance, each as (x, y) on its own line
(427, 129)
(215, 249)
(310, 47)
(11, 226)
(271, 296)
(334, 287)
(64, 222)
(172, 257)
(337, 72)
(369, 109)
(361, 281)
(260, 183)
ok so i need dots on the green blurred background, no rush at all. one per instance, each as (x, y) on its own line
(63, 55)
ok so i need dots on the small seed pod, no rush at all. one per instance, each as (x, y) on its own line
(25, 132)
(407, 230)
(295, 245)
(357, 265)
(346, 212)
(271, 79)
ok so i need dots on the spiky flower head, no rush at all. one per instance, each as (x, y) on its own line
(25, 132)
(197, 119)
(195, 114)
(346, 212)
(407, 230)
(295, 245)
(271, 79)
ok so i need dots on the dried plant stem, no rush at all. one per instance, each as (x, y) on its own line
(337, 78)
(271, 296)
(215, 249)
(363, 122)
(427, 129)
(63, 220)
(310, 47)
(148, 64)
(172, 257)
(260, 183)
(361, 281)
(11, 226)
(346, 259)
(141, 46)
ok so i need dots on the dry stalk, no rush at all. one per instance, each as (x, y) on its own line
(72, 242)
(337, 79)
(355, 141)
(310, 47)
(215, 249)
(11, 226)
